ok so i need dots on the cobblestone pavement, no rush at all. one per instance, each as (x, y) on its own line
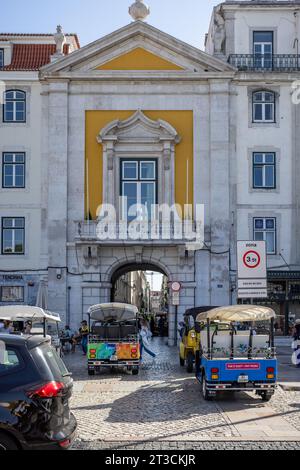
(162, 408)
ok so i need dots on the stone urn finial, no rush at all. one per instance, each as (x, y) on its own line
(139, 10)
(60, 40)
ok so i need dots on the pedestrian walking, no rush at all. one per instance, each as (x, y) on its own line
(145, 335)
(84, 334)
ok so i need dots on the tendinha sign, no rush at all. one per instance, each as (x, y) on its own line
(159, 222)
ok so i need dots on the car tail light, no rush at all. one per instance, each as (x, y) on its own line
(64, 444)
(215, 370)
(270, 373)
(48, 390)
(134, 350)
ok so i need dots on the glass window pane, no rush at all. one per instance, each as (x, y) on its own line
(9, 95)
(269, 158)
(9, 116)
(20, 116)
(258, 177)
(258, 115)
(270, 239)
(258, 158)
(263, 36)
(7, 241)
(20, 95)
(19, 158)
(7, 222)
(19, 181)
(19, 237)
(258, 96)
(148, 193)
(8, 181)
(130, 170)
(269, 97)
(269, 176)
(259, 223)
(269, 112)
(8, 158)
(19, 223)
(259, 236)
(270, 224)
(148, 170)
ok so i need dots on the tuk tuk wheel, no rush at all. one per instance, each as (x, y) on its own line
(91, 372)
(265, 396)
(204, 390)
(182, 361)
(190, 362)
(135, 371)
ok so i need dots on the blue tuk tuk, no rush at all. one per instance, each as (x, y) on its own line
(237, 351)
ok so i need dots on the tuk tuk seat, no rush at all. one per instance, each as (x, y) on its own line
(260, 341)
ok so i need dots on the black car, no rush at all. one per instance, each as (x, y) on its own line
(35, 388)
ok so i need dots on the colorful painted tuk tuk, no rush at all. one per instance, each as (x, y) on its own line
(237, 351)
(113, 338)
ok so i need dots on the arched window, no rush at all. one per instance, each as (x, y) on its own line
(14, 108)
(263, 106)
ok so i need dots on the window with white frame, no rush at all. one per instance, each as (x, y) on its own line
(263, 103)
(13, 170)
(12, 294)
(1, 58)
(14, 108)
(265, 230)
(264, 170)
(263, 49)
(138, 187)
(13, 235)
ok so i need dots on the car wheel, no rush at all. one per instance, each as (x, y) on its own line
(205, 393)
(182, 361)
(91, 372)
(190, 363)
(6, 443)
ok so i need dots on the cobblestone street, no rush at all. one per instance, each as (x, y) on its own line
(163, 408)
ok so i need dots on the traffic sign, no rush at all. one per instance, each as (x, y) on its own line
(252, 269)
(175, 298)
(253, 293)
(176, 286)
(251, 260)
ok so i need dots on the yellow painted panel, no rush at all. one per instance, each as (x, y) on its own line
(182, 121)
(139, 59)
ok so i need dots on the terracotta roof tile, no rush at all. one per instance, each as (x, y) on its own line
(32, 57)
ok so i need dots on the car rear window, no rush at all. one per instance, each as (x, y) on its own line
(49, 363)
(9, 359)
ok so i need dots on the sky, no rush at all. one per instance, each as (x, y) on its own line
(187, 20)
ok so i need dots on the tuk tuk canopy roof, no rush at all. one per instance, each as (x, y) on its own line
(238, 313)
(113, 312)
(26, 312)
(194, 312)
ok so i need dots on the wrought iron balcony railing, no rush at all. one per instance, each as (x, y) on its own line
(265, 62)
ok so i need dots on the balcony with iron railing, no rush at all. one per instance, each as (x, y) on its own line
(265, 63)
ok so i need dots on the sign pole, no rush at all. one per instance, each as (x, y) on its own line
(175, 326)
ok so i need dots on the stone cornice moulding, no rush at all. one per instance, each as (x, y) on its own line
(125, 34)
(161, 130)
